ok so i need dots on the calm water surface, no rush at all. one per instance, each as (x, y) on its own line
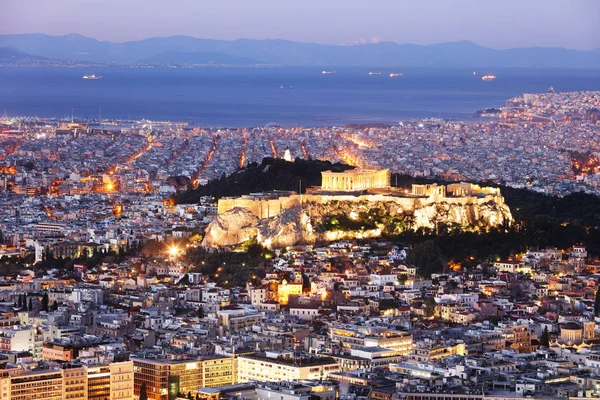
(234, 97)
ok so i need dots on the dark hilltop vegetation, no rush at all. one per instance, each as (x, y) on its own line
(270, 174)
(539, 220)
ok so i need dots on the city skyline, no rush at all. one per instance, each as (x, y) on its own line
(499, 25)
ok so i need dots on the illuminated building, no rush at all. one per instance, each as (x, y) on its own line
(113, 381)
(398, 341)
(368, 357)
(167, 377)
(355, 180)
(75, 383)
(286, 289)
(280, 366)
(428, 190)
(219, 372)
(427, 351)
(98, 382)
(362, 187)
(470, 189)
(28, 385)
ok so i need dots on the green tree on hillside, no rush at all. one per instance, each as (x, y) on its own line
(428, 258)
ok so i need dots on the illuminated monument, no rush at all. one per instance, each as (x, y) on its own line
(352, 182)
(355, 180)
(283, 218)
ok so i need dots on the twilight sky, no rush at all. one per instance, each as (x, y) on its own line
(493, 23)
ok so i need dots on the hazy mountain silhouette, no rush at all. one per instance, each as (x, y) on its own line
(283, 52)
(8, 54)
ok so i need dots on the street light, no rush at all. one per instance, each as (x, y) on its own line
(173, 251)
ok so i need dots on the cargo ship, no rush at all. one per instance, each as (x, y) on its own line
(92, 76)
(488, 77)
(395, 75)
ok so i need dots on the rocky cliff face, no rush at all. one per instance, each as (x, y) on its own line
(345, 219)
(233, 227)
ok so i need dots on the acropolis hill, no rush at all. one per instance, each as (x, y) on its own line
(353, 204)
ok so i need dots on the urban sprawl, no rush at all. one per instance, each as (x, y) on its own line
(141, 317)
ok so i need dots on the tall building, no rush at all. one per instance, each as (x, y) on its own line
(32, 385)
(75, 382)
(112, 381)
(168, 377)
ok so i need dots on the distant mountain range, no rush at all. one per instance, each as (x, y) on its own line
(188, 50)
(8, 54)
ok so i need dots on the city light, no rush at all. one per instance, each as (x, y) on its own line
(174, 251)
(334, 253)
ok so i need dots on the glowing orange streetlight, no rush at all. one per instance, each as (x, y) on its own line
(173, 251)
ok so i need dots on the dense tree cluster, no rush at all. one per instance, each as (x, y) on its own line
(231, 268)
(270, 174)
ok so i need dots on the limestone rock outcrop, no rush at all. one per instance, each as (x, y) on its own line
(235, 226)
(366, 217)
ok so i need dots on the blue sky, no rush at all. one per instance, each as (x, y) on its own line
(493, 23)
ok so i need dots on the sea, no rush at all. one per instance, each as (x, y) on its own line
(285, 96)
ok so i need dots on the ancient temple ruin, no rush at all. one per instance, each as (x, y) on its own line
(355, 180)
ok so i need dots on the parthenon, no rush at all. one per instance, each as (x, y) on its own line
(355, 180)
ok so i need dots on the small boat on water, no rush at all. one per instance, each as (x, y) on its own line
(92, 77)
(328, 72)
(395, 75)
(488, 77)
